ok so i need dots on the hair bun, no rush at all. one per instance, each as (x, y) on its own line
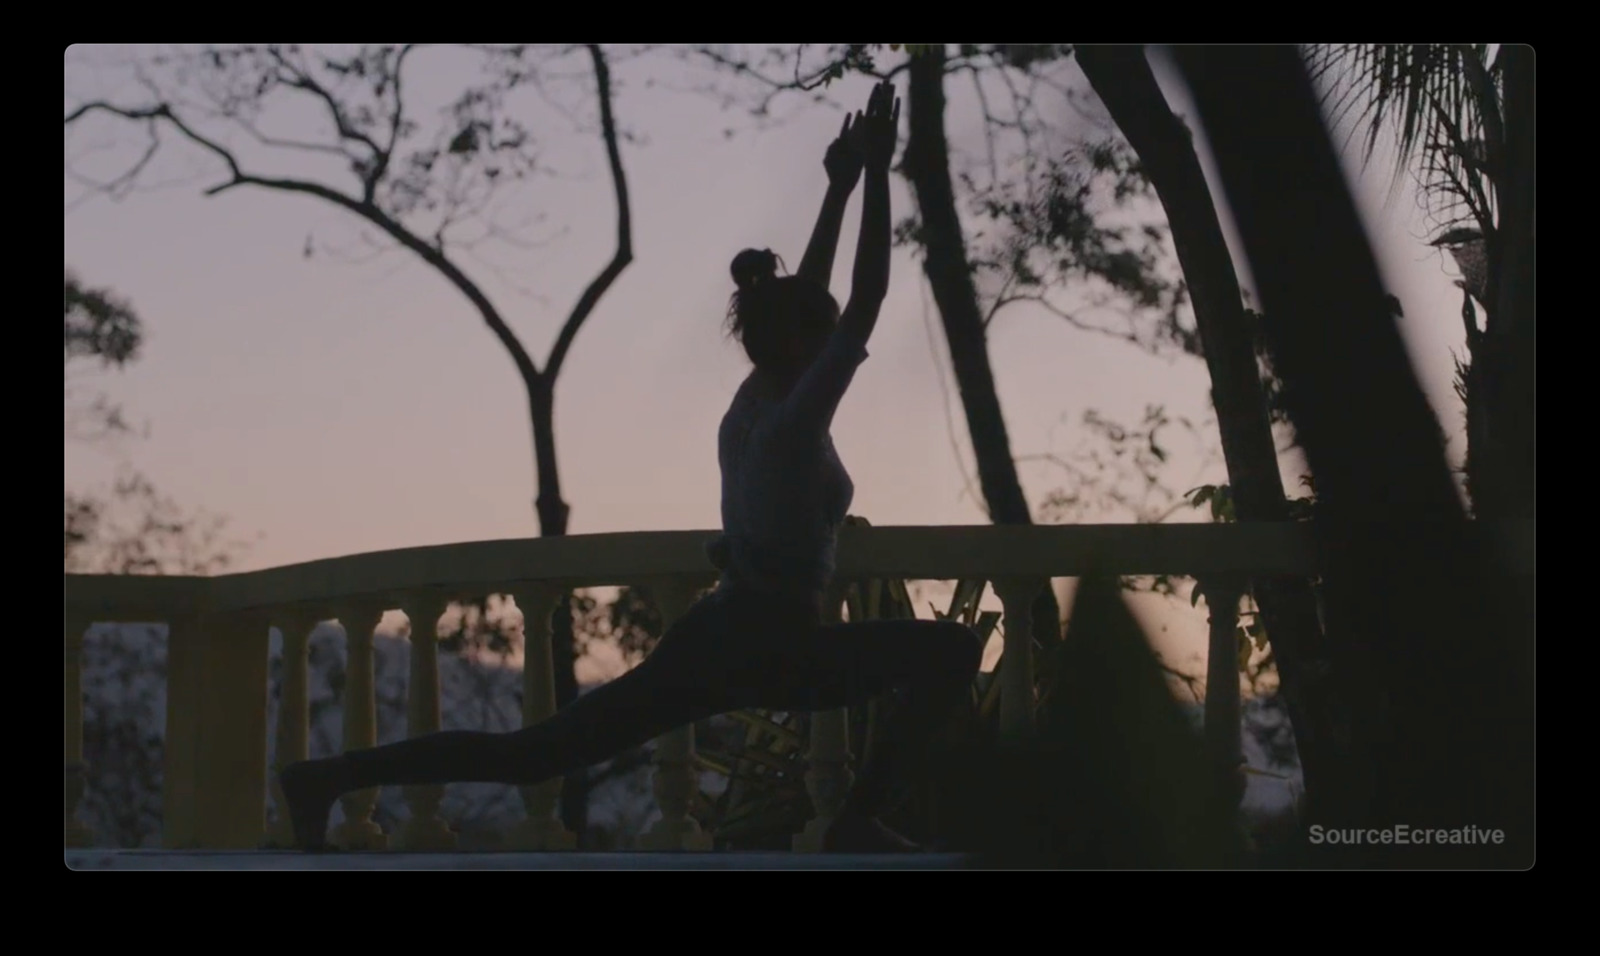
(752, 266)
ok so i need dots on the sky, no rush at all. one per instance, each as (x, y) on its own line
(328, 406)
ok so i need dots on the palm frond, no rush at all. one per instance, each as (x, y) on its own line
(964, 603)
(1440, 101)
(1404, 87)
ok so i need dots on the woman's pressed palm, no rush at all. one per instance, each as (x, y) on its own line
(876, 132)
(843, 159)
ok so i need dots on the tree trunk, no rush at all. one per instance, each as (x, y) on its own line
(1122, 78)
(927, 166)
(1512, 385)
(1441, 695)
(553, 513)
(1506, 462)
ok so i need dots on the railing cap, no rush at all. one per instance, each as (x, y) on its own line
(950, 552)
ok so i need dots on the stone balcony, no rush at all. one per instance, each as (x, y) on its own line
(216, 774)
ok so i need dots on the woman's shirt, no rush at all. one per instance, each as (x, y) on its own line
(784, 491)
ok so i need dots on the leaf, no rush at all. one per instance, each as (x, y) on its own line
(1222, 503)
(986, 624)
(902, 598)
(465, 141)
(964, 603)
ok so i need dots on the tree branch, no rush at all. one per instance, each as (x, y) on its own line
(624, 254)
(278, 142)
(989, 120)
(811, 82)
(430, 254)
(301, 80)
(1068, 317)
(119, 186)
(381, 162)
(365, 209)
(1483, 90)
(1441, 155)
(155, 113)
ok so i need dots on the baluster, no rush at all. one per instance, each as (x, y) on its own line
(540, 830)
(231, 796)
(182, 773)
(828, 773)
(74, 832)
(1222, 708)
(1017, 596)
(424, 830)
(358, 831)
(292, 741)
(676, 781)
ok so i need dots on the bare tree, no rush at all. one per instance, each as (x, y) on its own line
(432, 197)
(444, 183)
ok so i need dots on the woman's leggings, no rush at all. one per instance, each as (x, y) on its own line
(734, 650)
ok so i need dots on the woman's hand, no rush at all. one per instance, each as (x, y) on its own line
(843, 159)
(876, 133)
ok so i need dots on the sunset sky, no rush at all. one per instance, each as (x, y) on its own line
(333, 407)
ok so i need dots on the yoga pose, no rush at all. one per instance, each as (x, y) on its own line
(758, 640)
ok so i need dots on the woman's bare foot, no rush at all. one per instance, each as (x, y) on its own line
(853, 833)
(309, 788)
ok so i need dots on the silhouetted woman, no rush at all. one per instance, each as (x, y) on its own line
(758, 640)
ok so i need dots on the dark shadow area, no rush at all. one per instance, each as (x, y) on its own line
(1117, 777)
(1434, 644)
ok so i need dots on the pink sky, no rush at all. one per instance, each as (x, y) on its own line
(334, 408)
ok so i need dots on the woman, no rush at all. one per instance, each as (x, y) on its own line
(758, 640)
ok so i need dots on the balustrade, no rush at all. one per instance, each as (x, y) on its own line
(216, 773)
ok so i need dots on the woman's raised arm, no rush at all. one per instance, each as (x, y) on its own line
(814, 399)
(843, 163)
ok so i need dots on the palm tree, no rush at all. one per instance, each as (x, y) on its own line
(1122, 78)
(1463, 119)
(1443, 681)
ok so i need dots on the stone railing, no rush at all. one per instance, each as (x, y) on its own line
(216, 776)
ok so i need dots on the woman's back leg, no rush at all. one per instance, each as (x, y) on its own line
(677, 684)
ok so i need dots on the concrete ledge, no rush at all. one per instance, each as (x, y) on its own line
(948, 553)
(91, 859)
